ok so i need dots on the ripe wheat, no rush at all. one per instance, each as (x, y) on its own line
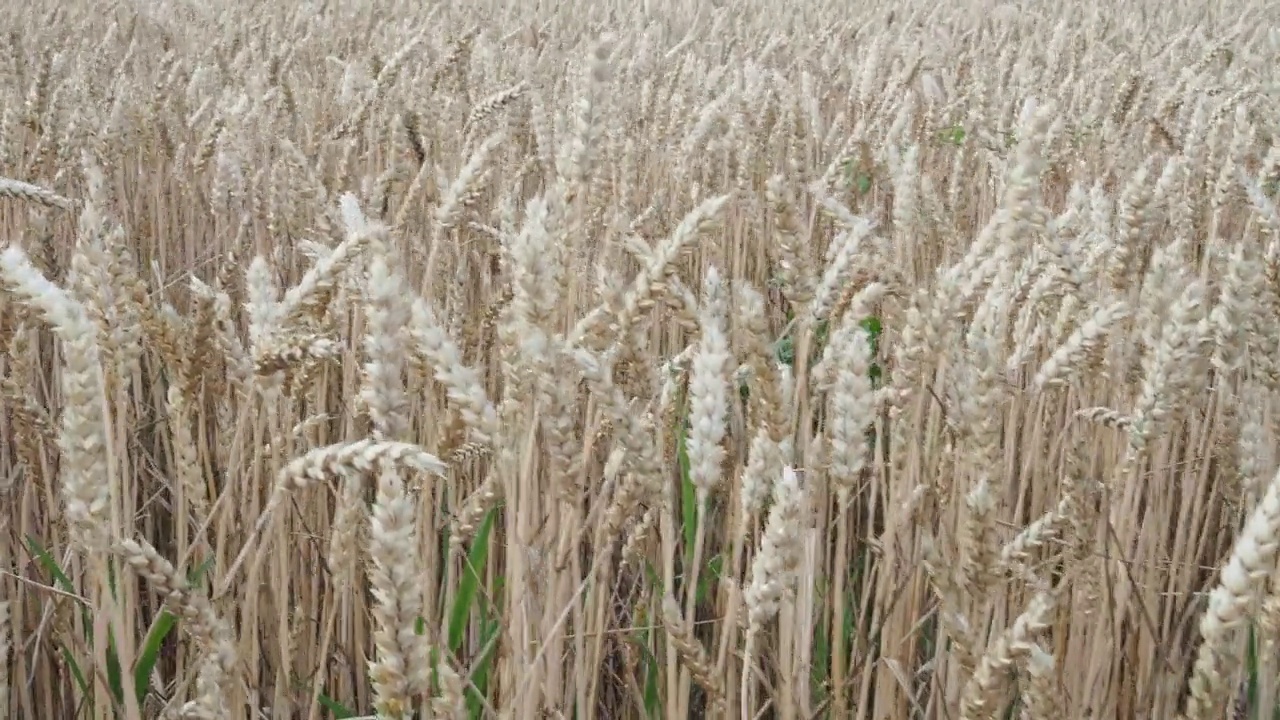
(637, 360)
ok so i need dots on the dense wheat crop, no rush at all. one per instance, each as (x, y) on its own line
(742, 360)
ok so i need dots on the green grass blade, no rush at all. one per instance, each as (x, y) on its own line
(711, 574)
(50, 565)
(820, 673)
(60, 578)
(490, 634)
(150, 654)
(1251, 670)
(76, 673)
(339, 711)
(111, 579)
(63, 581)
(479, 687)
(655, 580)
(477, 557)
(873, 327)
(115, 676)
(160, 630)
(688, 494)
(649, 663)
(196, 578)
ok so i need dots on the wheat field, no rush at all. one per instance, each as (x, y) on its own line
(590, 359)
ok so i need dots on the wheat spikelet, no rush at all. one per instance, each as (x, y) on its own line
(19, 190)
(1239, 586)
(83, 441)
